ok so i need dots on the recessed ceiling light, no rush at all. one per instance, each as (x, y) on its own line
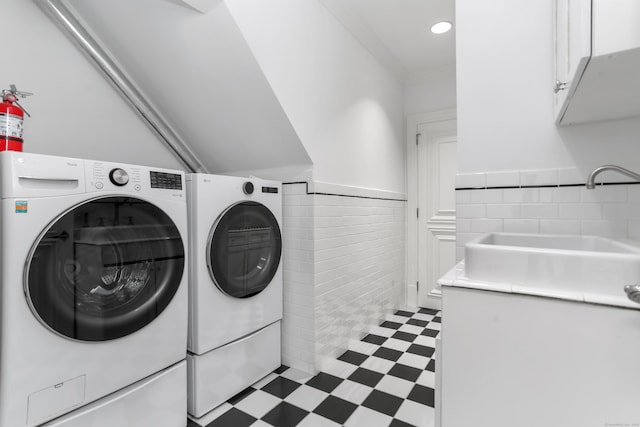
(441, 27)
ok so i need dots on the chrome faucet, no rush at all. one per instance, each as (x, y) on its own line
(592, 176)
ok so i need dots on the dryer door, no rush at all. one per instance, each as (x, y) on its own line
(104, 269)
(244, 249)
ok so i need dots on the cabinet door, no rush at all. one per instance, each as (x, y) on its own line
(573, 48)
(615, 26)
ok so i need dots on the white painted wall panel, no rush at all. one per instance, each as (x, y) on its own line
(75, 112)
(505, 64)
(344, 105)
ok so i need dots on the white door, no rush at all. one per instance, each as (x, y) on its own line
(437, 157)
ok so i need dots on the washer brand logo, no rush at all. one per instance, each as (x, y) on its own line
(72, 164)
(22, 206)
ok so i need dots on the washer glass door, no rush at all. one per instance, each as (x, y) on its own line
(104, 269)
(244, 249)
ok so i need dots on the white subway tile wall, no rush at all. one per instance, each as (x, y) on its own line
(471, 180)
(570, 175)
(610, 210)
(343, 271)
(539, 177)
(503, 179)
(298, 323)
(361, 278)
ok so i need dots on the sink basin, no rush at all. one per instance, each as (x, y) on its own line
(588, 268)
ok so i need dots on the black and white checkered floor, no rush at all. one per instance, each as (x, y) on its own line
(387, 379)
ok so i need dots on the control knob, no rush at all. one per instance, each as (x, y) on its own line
(119, 177)
(247, 187)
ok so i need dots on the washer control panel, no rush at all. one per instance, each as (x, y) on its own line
(106, 176)
(171, 181)
(102, 175)
(119, 177)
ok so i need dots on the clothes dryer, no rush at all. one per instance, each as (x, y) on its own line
(235, 278)
(94, 287)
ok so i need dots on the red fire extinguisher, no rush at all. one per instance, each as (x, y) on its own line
(11, 119)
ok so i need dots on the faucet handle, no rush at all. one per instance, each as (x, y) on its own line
(633, 293)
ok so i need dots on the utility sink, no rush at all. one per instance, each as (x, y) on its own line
(587, 268)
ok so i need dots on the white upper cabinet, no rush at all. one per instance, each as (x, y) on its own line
(573, 47)
(597, 60)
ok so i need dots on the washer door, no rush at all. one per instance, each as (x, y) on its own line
(244, 250)
(104, 269)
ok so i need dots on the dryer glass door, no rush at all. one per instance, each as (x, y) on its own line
(104, 269)
(244, 249)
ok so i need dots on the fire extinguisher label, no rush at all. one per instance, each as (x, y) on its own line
(11, 125)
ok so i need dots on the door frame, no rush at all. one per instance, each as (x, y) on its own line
(412, 123)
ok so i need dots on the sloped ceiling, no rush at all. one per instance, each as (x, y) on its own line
(202, 6)
(200, 74)
(397, 32)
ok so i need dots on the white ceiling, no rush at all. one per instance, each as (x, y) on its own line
(398, 32)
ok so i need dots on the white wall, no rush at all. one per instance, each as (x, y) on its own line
(344, 105)
(299, 318)
(75, 112)
(313, 95)
(343, 271)
(505, 73)
(359, 254)
(431, 92)
(518, 171)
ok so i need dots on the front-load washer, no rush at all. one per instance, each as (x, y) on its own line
(94, 284)
(235, 283)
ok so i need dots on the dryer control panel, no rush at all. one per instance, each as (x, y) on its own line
(272, 190)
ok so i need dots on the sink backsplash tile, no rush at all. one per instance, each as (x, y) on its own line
(544, 201)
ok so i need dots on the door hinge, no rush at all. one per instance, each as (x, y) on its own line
(418, 286)
(417, 137)
(417, 212)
